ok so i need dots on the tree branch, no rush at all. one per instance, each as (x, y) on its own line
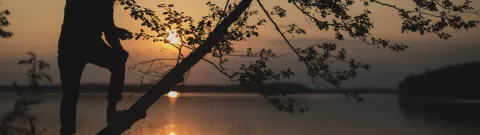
(165, 84)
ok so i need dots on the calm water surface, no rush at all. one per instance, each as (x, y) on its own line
(249, 114)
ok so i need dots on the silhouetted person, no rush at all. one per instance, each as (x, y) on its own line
(81, 43)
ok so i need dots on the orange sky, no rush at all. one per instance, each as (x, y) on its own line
(36, 25)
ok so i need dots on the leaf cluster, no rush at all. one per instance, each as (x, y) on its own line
(324, 61)
(4, 23)
(15, 121)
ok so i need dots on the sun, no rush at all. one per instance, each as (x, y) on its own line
(173, 94)
(173, 37)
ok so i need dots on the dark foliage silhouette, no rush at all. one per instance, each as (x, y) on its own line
(4, 23)
(450, 82)
(19, 121)
(215, 33)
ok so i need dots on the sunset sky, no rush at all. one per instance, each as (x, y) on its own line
(36, 27)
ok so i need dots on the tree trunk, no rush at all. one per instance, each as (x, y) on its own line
(167, 82)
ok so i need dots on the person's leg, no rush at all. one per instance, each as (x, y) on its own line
(117, 78)
(104, 56)
(70, 73)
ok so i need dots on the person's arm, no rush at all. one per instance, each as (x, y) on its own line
(110, 30)
(113, 40)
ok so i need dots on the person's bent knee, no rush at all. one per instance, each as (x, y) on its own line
(117, 68)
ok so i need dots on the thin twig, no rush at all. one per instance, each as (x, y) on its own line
(218, 68)
(289, 44)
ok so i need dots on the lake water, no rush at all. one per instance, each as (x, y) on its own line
(250, 114)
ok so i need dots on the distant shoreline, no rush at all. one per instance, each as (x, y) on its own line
(284, 87)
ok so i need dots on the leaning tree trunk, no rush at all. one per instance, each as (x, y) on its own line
(167, 82)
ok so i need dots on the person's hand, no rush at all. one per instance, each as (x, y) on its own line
(122, 54)
(123, 34)
(125, 55)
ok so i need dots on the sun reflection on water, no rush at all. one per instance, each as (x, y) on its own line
(173, 94)
(175, 129)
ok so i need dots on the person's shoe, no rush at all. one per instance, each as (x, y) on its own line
(141, 116)
(181, 80)
(116, 117)
(62, 133)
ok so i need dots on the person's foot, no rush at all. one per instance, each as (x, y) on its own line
(181, 80)
(116, 117)
(61, 133)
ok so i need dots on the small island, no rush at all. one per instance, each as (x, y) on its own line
(454, 82)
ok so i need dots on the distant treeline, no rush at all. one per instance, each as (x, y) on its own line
(283, 87)
(451, 82)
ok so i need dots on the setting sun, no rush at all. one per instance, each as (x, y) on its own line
(173, 37)
(173, 94)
